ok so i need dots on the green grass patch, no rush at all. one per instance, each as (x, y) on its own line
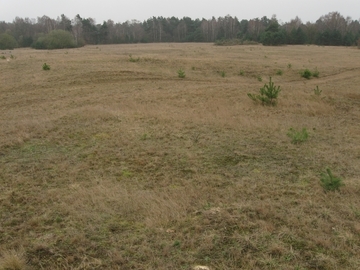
(298, 136)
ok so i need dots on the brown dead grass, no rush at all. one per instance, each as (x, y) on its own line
(112, 164)
(12, 260)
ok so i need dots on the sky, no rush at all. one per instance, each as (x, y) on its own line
(121, 11)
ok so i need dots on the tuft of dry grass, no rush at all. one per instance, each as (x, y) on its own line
(112, 164)
(12, 260)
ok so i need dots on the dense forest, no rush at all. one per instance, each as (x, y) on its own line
(46, 33)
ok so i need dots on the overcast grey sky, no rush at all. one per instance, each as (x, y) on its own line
(121, 11)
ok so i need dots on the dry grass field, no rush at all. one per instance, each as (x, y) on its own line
(109, 160)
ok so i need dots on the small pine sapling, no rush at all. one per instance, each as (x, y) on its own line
(329, 182)
(181, 73)
(268, 94)
(45, 67)
(306, 74)
(317, 91)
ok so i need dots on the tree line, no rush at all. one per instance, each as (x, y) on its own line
(44, 32)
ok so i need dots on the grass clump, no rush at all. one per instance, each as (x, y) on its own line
(316, 73)
(298, 136)
(133, 60)
(181, 73)
(12, 260)
(330, 182)
(126, 173)
(2, 57)
(241, 73)
(317, 91)
(268, 94)
(144, 137)
(289, 66)
(222, 73)
(45, 67)
(279, 72)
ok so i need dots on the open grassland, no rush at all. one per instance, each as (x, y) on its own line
(111, 161)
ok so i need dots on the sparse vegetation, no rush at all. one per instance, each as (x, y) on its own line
(109, 164)
(306, 74)
(241, 73)
(317, 91)
(316, 73)
(268, 94)
(3, 57)
(133, 60)
(144, 137)
(45, 67)
(222, 73)
(330, 182)
(289, 66)
(181, 73)
(259, 78)
(298, 136)
(279, 72)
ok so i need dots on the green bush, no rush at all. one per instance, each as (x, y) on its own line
(45, 67)
(298, 136)
(306, 74)
(181, 73)
(3, 57)
(56, 39)
(279, 72)
(329, 182)
(222, 73)
(7, 42)
(268, 94)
